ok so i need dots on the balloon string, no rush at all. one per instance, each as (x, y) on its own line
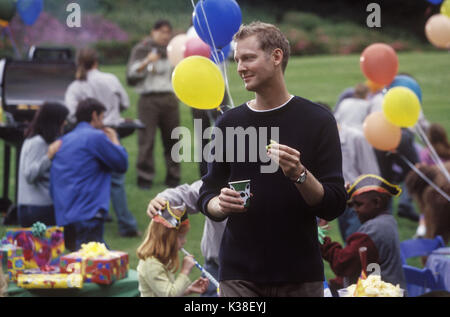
(224, 65)
(415, 169)
(215, 55)
(215, 50)
(434, 155)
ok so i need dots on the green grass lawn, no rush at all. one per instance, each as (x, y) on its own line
(315, 78)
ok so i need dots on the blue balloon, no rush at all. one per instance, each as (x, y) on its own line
(29, 10)
(224, 18)
(435, 1)
(408, 82)
(222, 54)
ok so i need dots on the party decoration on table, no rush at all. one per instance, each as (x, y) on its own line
(380, 133)
(93, 249)
(48, 269)
(379, 63)
(96, 263)
(373, 286)
(38, 229)
(50, 281)
(401, 107)
(216, 21)
(437, 31)
(408, 82)
(12, 260)
(195, 46)
(363, 258)
(198, 82)
(29, 10)
(176, 49)
(39, 247)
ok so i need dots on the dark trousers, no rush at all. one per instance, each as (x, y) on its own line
(157, 110)
(239, 288)
(125, 219)
(29, 214)
(75, 234)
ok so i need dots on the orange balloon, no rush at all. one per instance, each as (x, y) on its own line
(380, 133)
(379, 63)
(373, 87)
(437, 30)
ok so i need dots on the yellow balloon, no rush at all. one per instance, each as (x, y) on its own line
(401, 107)
(198, 82)
(445, 8)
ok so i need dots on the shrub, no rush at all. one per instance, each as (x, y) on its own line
(50, 31)
(112, 52)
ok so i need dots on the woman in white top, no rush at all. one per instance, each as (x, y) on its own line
(39, 148)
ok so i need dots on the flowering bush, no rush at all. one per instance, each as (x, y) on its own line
(49, 30)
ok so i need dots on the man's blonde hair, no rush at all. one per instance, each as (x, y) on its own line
(269, 36)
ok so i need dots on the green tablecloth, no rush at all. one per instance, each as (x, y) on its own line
(127, 287)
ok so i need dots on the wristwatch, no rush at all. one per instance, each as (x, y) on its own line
(302, 178)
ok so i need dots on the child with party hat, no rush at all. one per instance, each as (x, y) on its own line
(369, 195)
(159, 257)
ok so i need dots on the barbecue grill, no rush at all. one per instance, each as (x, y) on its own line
(25, 86)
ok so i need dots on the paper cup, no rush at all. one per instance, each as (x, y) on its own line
(243, 188)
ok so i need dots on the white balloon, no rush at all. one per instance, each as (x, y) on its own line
(176, 48)
(437, 30)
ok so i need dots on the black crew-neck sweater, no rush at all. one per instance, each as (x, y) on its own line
(276, 241)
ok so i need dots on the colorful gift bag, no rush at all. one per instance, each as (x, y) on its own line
(97, 267)
(41, 245)
(12, 259)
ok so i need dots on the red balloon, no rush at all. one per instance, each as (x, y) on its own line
(379, 63)
(195, 46)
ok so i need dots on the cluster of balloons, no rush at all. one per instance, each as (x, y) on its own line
(401, 102)
(437, 28)
(29, 10)
(197, 80)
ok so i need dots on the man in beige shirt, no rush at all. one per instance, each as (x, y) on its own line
(149, 71)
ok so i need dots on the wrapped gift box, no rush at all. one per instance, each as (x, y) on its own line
(12, 259)
(38, 251)
(43, 270)
(102, 269)
(44, 281)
